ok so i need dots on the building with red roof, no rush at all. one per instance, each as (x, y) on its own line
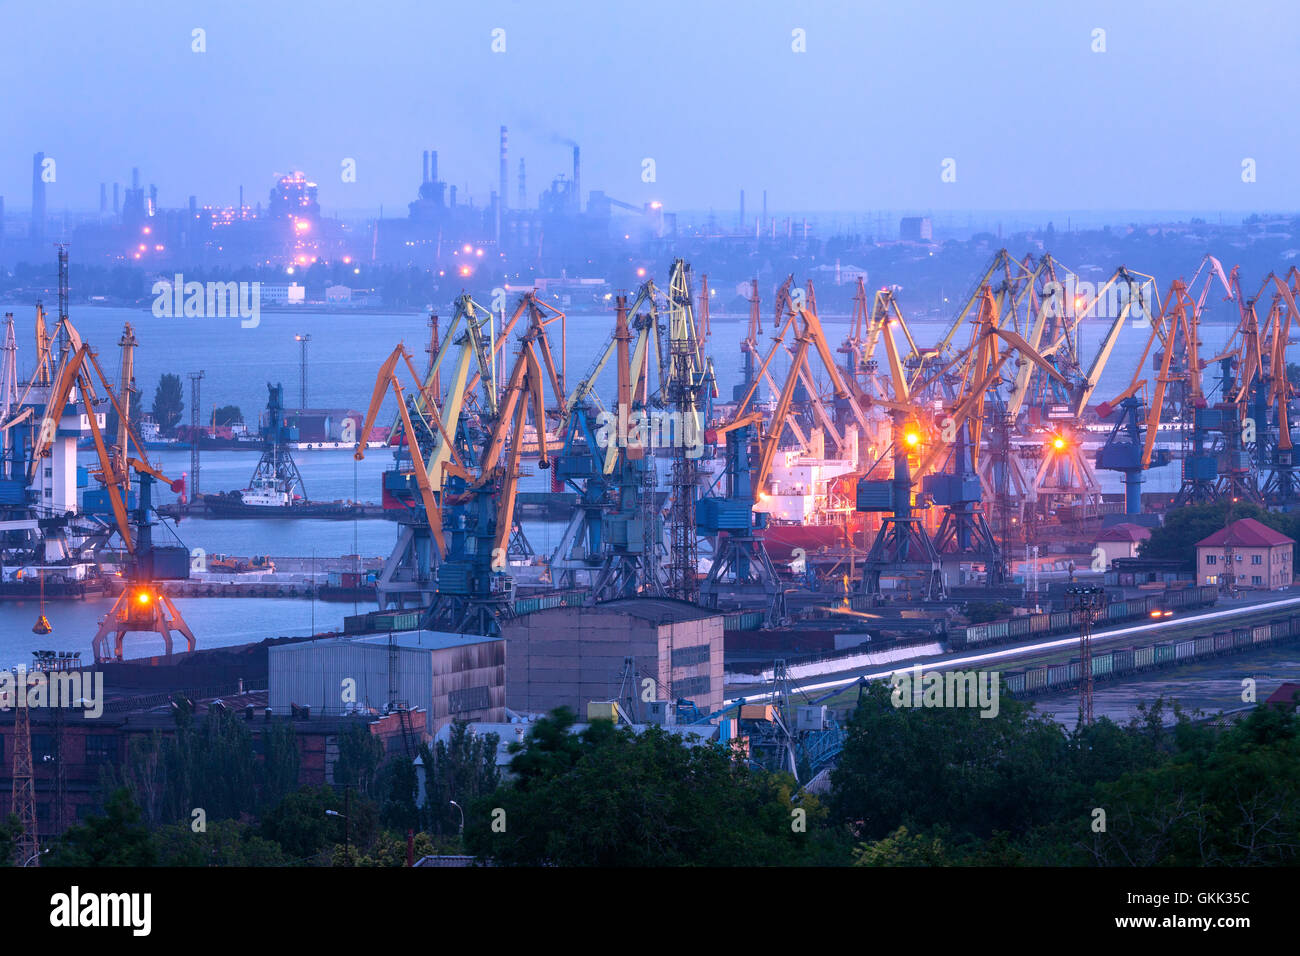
(1254, 554)
(1120, 541)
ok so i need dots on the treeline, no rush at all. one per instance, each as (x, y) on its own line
(913, 787)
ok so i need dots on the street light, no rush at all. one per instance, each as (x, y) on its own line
(462, 816)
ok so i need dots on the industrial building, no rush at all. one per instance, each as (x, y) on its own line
(570, 656)
(447, 676)
(1248, 554)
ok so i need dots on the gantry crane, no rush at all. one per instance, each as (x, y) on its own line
(616, 534)
(141, 606)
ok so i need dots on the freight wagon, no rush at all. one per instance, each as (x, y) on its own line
(1030, 626)
(1129, 660)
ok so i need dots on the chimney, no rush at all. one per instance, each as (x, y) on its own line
(453, 197)
(523, 190)
(38, 199)
(504, 175)
(424, 168)
(117, 202)
(577, 180)
(103, 198)
(433, 165)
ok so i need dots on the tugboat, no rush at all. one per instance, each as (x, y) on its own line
(276, 489)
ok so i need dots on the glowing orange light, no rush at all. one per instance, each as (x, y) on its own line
(640, 273)
(465, 270)
(467, 248)
(1058, 443)
(911, 438)
(143, 597)
(146, 230)
(347, 260)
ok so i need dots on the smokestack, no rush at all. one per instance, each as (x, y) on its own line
(424, 168)
(504, 186)
(153, 200)
(117, 202)
(38, 198)
(433, 165)
(135, 177)
(103, 198)
(523, 190)
(453, 197)
(577, 180)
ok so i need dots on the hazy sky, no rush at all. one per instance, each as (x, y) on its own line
(711, 90)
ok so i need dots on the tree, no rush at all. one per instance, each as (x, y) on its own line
(1175, 540)
(119, 838)
(305, 830)
(360, 753)
(227, 415)
(463, 768)
(11, 831)
(168, 401)
(221, 843)
(612, 797)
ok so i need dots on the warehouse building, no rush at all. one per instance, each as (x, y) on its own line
(447, 676)
(570, 656)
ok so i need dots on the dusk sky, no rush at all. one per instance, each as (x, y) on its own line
(1013, 92)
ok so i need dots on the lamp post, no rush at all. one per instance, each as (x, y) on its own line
(462, 816)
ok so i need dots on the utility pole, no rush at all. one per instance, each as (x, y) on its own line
(195, 425)
(302, 369)
(1088, 600)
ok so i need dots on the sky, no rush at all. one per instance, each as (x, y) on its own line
(826, 104)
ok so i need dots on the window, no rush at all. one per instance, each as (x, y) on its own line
(1211, 559)
(1211, 579)
(1256, 579)
(1256, 559)
(101, 748)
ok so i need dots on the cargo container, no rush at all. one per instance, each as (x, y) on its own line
(1164, 653)
(1144, 657)
(1015, 682)
(1205, 645)
(1036, 678)
(1185, 650)
(1122, 661)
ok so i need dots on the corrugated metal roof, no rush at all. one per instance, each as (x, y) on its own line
(427, 640)
(658, 610)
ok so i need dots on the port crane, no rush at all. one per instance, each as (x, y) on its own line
(616, 534)
(142, 606)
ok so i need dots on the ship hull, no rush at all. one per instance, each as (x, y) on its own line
(223, 506)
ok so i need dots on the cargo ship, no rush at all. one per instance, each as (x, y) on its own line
(276, 489)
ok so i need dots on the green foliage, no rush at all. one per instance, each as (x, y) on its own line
(222, 843)
(209, 764)
(227, 415)
(119, 838)
(389, 849)
(901, 848)
(463, 769)
(980, 612)
(11, 831)
(305, 830)
(922, 767)
(612, 797)
(168, 401)
(360, 753)
(1175, 540)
